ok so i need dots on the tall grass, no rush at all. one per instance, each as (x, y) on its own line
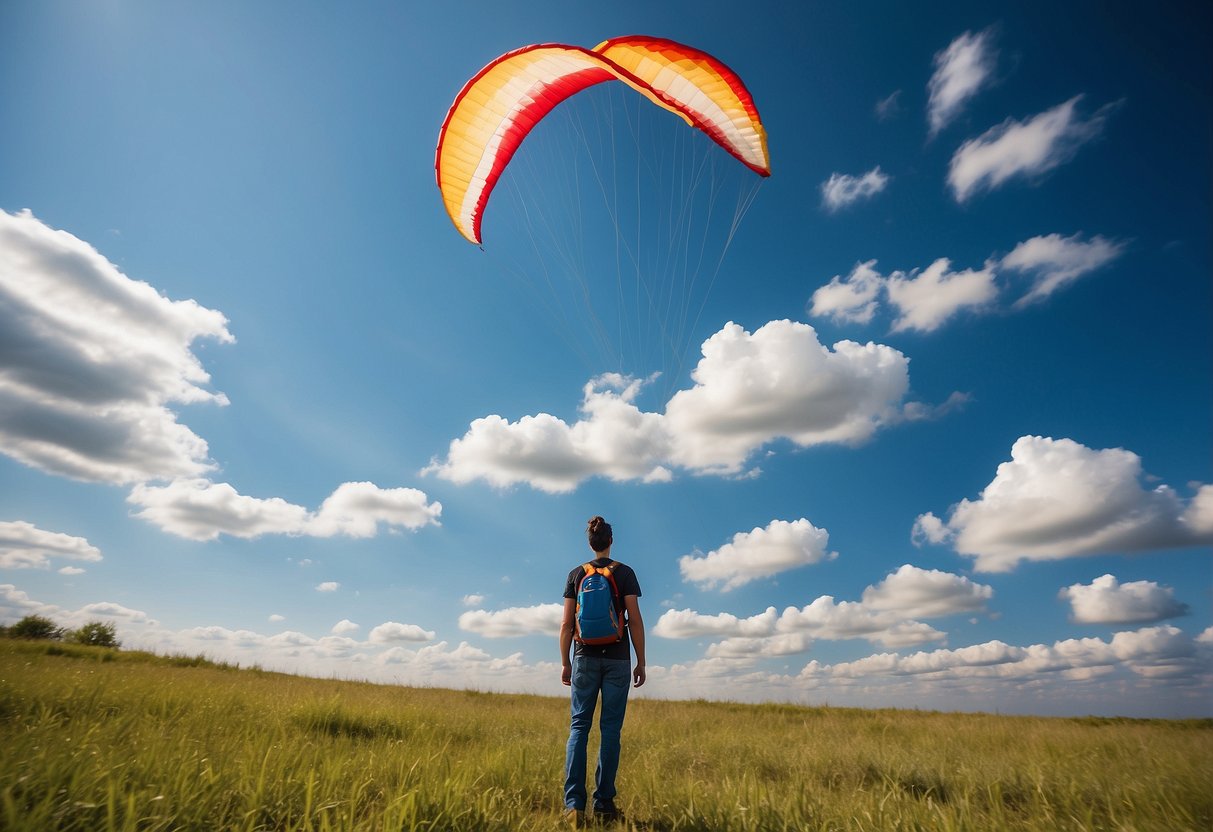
(92, 739)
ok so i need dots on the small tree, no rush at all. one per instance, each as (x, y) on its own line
(97, 634)
(36, 627)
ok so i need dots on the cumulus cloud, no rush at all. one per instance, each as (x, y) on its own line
(884, 616)
(543, 619)
(927, 299)
(961, 71)
(1107, 601)
(781, 383)
(1058, 499)
(344, 627)
(199, 509)
(684, 624)
(16, 604)
(614, 439)
(851, 299)
(1154, 653)
(759, 553)
(91, 361)
(275, 618)
(473, 600)
(826, 618)
(390, 632)
(1056, 261)
(24, 546)
(842, 190)
(328, 586)
(749, 389)
(1023, 148)
(926, 593)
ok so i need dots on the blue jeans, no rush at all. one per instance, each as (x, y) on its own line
(590, 675)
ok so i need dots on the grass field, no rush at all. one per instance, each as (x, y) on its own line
(95, 739)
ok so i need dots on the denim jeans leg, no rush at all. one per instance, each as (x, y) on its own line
(585, 683)
(616, 680)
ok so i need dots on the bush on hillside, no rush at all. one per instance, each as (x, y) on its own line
(96, 634)
(36, 627)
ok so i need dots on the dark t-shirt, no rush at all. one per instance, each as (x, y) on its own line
(625, 581)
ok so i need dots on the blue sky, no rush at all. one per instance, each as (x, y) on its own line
(936, 434)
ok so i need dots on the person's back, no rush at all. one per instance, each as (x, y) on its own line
(599, 668)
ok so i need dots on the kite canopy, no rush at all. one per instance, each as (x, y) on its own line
(498, 107)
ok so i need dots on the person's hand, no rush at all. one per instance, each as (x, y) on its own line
(638, 675)
(566, 676)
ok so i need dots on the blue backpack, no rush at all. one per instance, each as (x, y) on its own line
(598, 618)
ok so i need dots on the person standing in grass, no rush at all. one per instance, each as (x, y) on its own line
(595, 669)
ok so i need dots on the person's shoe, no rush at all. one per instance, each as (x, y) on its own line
(608, 813)
(573, 818)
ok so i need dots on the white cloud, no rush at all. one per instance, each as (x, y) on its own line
(833, 620)
(750, 389)
(70, 570)
(781, 383)
(543, 619)
(770, 633)
(961, 71)
(275, 618)
(393, 631)
(90, 361)
(1057, 261)
(356, 509)
(1151, 653)
(927, 299)
(926, 593)
(615, 439)
(1023, 148)
(759, 553)
(328, 586)
(1059, 499)
(684, 624)
(472, 600)
(344, 627)
(199, 509)
(842, 190)
(784, 644)
(108, 609)
(23, 545)
(1107, 601)
(853, 299)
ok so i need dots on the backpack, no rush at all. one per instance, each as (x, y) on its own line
(598, 618)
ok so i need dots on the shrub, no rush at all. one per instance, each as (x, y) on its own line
(36, 627)
(97, 634)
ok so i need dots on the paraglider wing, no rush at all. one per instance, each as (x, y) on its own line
(493, 114)
(698, 87)
(498, 107)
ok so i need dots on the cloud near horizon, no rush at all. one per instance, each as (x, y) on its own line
(1107, 601)
(1059, 499)
(25, 546)
(750, 389)
(1164, 658)
(886, 615)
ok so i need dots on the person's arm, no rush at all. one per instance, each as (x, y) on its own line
(566, 640)
(636, 629)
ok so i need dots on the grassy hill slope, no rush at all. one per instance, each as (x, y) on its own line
(95, 739)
